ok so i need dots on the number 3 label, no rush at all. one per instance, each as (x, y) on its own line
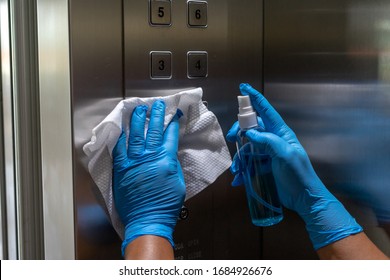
(161, 65)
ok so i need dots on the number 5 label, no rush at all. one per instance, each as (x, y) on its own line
(160, 12)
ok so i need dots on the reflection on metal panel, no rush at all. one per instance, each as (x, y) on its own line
(26, 129)
(55, 105)
(327, 72)
(97, 86)
(218, 226)
(232, 39)
(10, 231)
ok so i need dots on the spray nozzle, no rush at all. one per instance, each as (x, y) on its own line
(247, 118)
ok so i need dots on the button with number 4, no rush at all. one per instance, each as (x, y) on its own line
(160, 12)
(161, 65)
(197, 13)
(197, 64)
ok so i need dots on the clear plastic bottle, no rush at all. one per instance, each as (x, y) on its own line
(263, 200)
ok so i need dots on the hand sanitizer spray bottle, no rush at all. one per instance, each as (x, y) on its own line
(264, 205)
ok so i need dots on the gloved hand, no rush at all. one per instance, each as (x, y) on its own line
(298, 185)
(148, 182)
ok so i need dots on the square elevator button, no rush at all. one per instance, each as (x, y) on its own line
(160, 12)
(197, 64)
(197, 14)
(161, 65)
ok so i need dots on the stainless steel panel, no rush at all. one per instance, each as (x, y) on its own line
(26, 128)
(326, 70)
(56, 129)
(3, 208)
(218, 225)
(97, 86)
(22, 193)
(9, 190)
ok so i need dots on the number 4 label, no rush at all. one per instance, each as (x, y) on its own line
(197, 64)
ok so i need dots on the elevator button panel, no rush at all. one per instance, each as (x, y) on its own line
(160, 12)
(197, 64)
(216, 52)
(161, 65)
(197, 13)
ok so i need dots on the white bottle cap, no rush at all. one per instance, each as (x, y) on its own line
(247, 118)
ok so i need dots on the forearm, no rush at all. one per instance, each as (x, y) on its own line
(353, 247)
(149, 247)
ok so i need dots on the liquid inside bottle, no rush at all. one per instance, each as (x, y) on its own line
(263, 201)
(256, 168)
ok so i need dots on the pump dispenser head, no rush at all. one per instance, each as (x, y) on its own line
(247, 118)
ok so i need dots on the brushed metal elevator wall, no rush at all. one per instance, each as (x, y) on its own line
(327, 71)
(232, 39)
(218, 226)
(111, 43)
(97, 86)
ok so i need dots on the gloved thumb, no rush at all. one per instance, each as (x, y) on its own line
(271, 144)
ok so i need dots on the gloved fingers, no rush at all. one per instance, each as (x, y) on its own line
(155, 134)
(137, 131)
(171, 134)
(238, 180)
(235, 169)
(181, 177)
(272, 120)
(119, 153)
(231, 136)
(271, 144)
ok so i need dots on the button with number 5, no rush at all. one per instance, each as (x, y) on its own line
(160, 12)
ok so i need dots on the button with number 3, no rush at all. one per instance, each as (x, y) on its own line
(161, 65)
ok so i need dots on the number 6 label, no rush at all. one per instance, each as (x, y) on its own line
(197, 14)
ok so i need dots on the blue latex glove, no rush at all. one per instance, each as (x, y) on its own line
(148, 182)
(298, 185)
